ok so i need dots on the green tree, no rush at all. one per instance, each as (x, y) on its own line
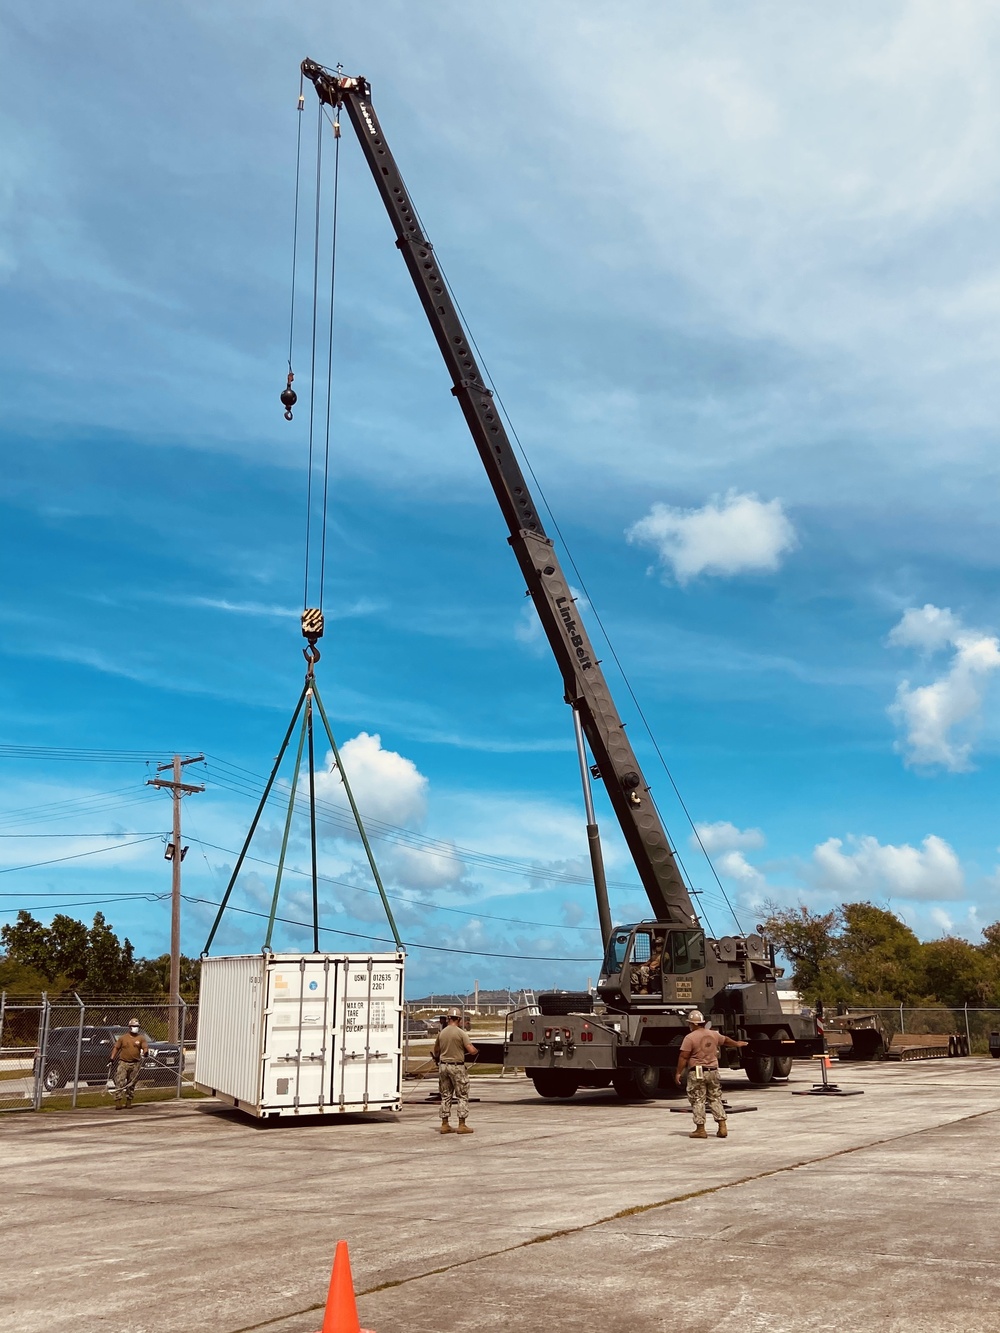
(151, 976)
(956, 972)
(880, 955)
(26, 942)
(109, 963)
(67, 944)
(810, 942)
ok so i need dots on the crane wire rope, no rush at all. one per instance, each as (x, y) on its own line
(329, 360)
(312, 358)
(583, 586)
(295, 221)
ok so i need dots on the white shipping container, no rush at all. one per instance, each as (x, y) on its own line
(296, 1034)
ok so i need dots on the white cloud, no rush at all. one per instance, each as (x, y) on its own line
(723, 836)
(386, 785)
(941, 918)
(735, 534)
(929, 714)
(929, 628)
(735, 865)
(871, 869)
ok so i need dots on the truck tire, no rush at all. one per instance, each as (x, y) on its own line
(55, 1077)
(554, 1083)
(782, 1063)
(638, 1084)
(760, 1069)
(952, 1046)
(556, 1003)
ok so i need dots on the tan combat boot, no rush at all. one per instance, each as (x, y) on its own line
(723, 1131)
(463, 1128)
(699, 1133)
(446, 1127)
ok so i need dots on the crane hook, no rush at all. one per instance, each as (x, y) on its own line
(289, 397)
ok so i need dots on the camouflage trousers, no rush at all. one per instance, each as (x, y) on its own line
(126, 1077)
(453, 1083)
(708, 1089)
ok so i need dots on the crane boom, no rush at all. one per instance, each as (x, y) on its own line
(585, 686)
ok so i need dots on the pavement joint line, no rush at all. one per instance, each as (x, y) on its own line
(767, 1245)
(635, 1211)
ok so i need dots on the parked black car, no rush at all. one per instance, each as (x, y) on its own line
(159, 1067)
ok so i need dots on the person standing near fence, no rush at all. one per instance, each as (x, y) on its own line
(450, 1049)
(130, 1049)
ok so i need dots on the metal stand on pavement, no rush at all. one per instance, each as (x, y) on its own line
(826, 1088)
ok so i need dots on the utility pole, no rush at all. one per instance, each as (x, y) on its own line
(175, 854)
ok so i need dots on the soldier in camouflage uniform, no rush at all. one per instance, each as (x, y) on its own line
(699, 1055)
(130, 1049)
(450, 1049)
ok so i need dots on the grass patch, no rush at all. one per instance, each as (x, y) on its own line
(64, 1101)
(7, 1074)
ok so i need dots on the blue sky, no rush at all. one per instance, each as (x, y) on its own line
(736, 274)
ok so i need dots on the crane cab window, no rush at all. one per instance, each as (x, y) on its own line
(614, 960)
(645, 972)
(687, 951)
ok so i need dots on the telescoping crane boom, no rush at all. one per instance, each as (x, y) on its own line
(649, 970)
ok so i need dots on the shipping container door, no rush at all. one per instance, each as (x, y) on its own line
(368, 1049)
(299, 1003)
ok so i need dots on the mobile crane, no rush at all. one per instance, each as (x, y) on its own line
(656, 971)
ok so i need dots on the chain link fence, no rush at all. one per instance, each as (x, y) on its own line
(56, 1053)
(935, 1020)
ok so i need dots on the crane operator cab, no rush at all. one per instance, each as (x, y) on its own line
(652, 964)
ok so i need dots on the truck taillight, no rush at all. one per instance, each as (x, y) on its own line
(527, 1036)
(548, 1033)
(567, 1034)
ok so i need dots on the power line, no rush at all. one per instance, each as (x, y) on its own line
(72, 754)
(76, 856)
(409, 944)
(396, 897)
(252, 784)
(93, 902)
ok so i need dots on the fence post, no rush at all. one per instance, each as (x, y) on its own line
(968, 1034)
(43, 1043)
(181, 1035)
(3, 1012)
(79, 1048)
(902, 1024)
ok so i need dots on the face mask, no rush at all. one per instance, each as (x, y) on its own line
(134, 1032)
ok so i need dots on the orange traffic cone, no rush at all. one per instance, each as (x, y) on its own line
(341, 1315)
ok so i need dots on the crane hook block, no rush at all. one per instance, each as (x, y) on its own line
(289, 397)
(312, 624)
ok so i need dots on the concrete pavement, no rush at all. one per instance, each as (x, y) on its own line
(870, 1213)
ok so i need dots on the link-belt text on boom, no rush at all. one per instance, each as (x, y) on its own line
(575, 639)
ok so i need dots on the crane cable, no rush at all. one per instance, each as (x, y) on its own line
(607, 638)
(316, 350)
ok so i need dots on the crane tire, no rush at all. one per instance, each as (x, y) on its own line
(554, 1083)
(638, 1084)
